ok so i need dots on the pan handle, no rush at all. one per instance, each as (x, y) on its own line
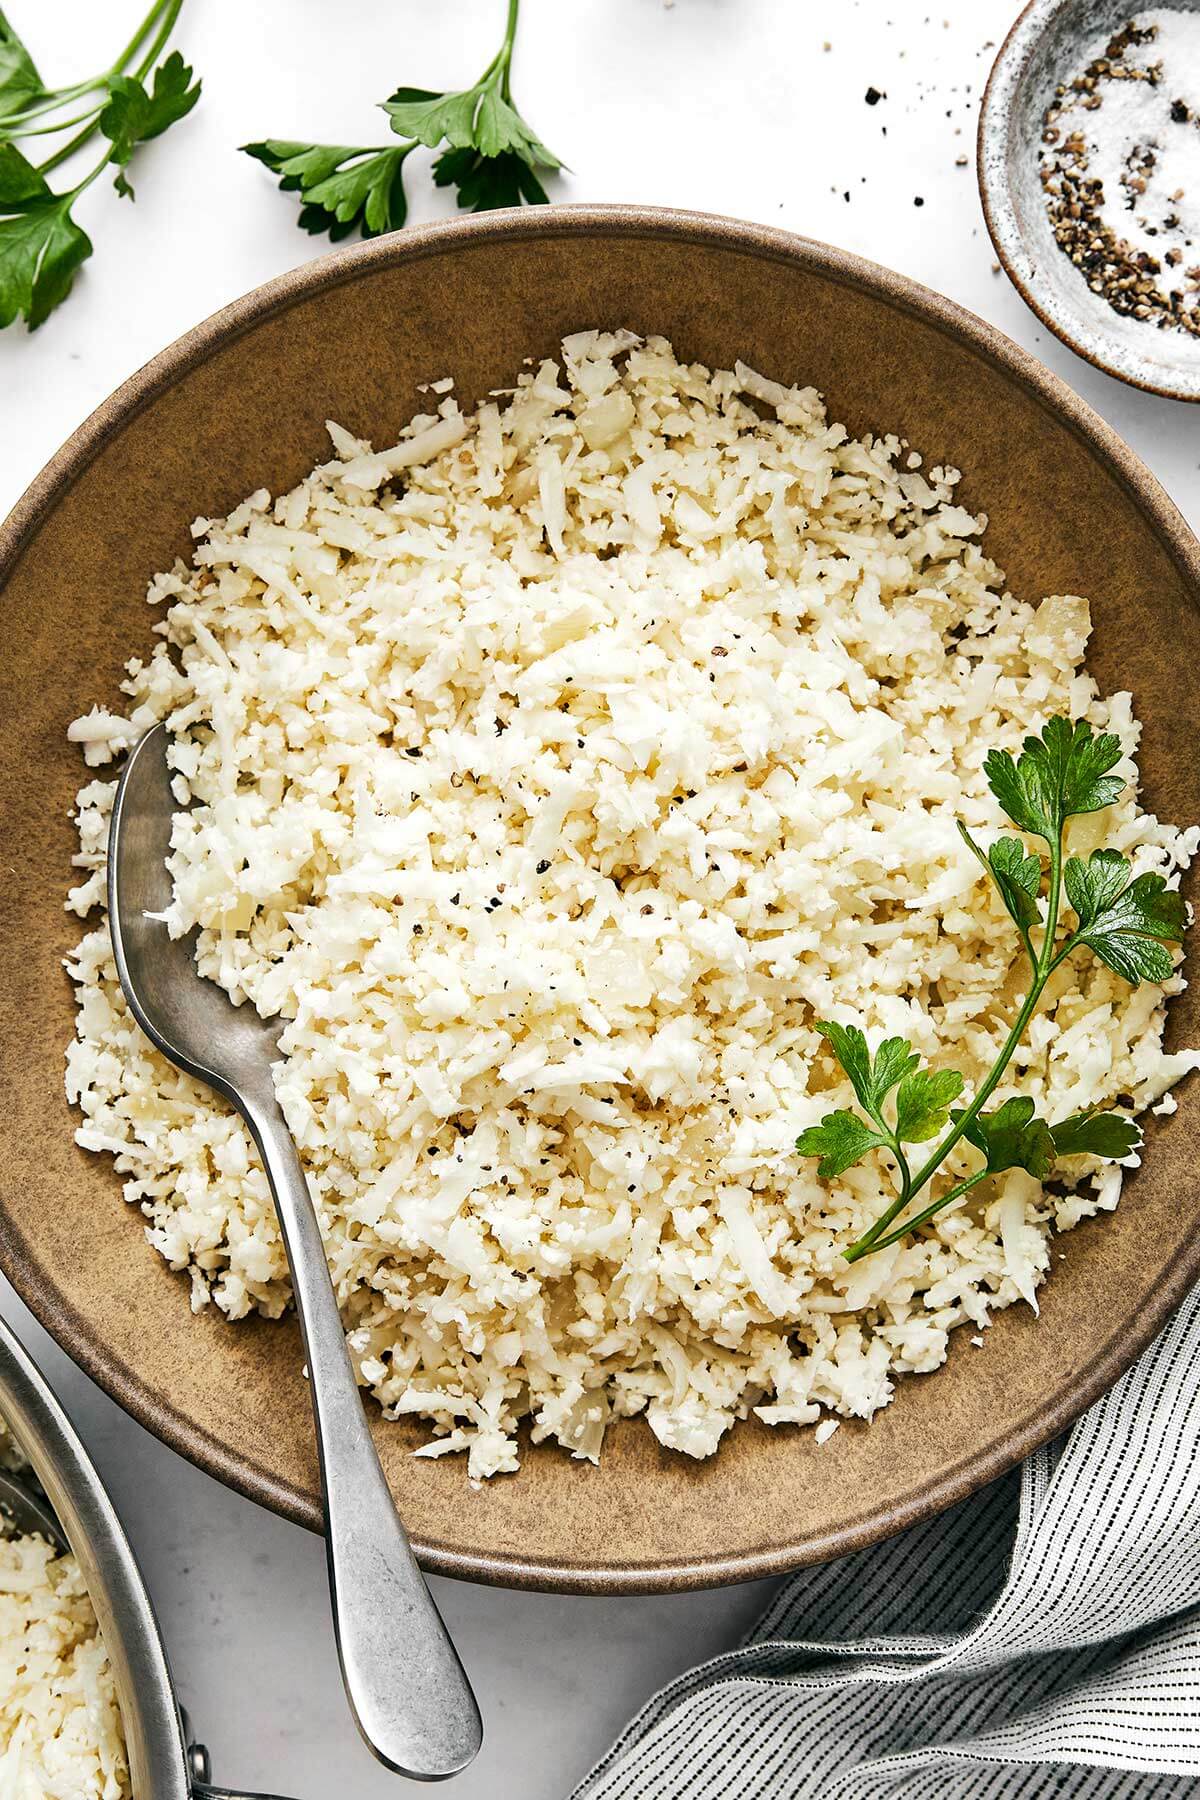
(201, 1788)
(202, 1791)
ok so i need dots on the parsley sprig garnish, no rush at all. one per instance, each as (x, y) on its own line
(136, 99)
(1126, 920)
(490, 156)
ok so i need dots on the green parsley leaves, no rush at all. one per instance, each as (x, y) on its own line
(1126, 921)
(492, 156)
(872, 1077)
(489, 155)
(41, 245)
(1110, 1135)
(341, 188)
(1012, 1137)
(1056, 776)
(1018, 879)
(20, 83)
(485, 183)
(842, 1138)
(922, 1101)
(133, 116)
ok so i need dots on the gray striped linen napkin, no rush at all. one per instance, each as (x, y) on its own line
(1040, 1639)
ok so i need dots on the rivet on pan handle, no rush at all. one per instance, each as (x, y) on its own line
(200, 1771)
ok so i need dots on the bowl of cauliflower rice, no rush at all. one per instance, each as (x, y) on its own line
(684, 730)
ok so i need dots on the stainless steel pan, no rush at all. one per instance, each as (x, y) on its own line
(164, 1764)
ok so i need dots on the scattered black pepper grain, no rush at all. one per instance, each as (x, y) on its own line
(873, 96)
(918, 200)
(542, 867)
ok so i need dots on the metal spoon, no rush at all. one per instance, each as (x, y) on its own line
(28, 1511)
(406, 1686)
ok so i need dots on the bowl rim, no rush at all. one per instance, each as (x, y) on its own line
(35, 1283)
(999, 209)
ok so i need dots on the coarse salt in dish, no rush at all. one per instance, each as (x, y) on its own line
(552, 773)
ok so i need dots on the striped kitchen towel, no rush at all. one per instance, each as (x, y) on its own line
(1041, 1639)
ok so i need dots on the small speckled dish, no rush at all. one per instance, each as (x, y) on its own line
(1045, 47)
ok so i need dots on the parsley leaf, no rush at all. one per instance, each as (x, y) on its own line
(922, 1100)
(133, 116)
(432, 118)
(480, 118)
(20, 83)
(487, 182)
(923, 1103)
(1056, 776)
(1127, 923)
(21, 184)
(41, 247)
(341, 186)
(492, 156)
(1110, 1135)
(1013, 1137)
(872, 1078)
(842, 1138)
(1018, 877)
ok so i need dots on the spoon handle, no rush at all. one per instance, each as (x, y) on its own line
(406, 1687)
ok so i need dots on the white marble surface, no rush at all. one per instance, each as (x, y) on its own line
(729, 105)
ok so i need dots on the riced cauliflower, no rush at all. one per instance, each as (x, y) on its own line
(552, 773)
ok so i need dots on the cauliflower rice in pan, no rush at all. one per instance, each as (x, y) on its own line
(60, 1727)
(552, 773)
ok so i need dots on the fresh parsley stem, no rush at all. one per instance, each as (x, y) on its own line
(12, 134)
(160, 21)
(72, 145)
(501, 63)
(51, 103)
(862, 1248)
(1047, 961)
(510, 33)
(139, 37)
(169, 14)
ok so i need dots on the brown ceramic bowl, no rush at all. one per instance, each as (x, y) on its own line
(240, 402)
